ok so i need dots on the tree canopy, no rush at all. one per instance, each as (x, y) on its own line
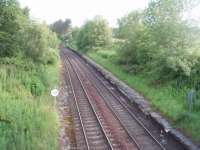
(61, 27)
(95, 33)
(20, 35)
(159, 36)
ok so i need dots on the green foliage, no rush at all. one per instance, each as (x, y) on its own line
(39, 41)
(61, 27)
(9, 27)
(95, 33)
(129, 24)
(28, 62)
(137, 49)
(19, 35)
(71, 38)
(27, 116)
(108, 54)
(159, 41)
(51, 57)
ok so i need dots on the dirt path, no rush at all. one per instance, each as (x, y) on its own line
(66, 125)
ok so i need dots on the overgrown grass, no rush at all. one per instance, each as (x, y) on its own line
(28, 119)
(170, 101)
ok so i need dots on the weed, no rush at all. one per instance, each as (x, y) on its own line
(28, 119)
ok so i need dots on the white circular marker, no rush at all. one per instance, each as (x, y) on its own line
(54, 92)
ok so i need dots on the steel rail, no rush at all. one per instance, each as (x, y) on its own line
(133, 115)
(115, 115)
(128, 109)
(93, 109)
(79, 114)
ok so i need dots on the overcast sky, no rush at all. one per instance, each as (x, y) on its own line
(80, 10)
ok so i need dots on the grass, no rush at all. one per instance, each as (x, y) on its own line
(28, 119)
(168, 100)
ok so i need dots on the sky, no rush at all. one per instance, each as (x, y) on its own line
(81, 10)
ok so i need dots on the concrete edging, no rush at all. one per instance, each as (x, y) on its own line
(142, 104)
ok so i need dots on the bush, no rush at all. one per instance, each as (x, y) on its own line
(51, 57)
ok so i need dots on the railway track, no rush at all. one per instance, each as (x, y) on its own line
(92, 131)
(116, 121)
(118, 137)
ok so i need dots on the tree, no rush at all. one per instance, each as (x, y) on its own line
(159, 40)
(95, 33)
(128, 24)
(136, 48)
(71, 37)
(39, 42)
(172, 36)
(9, 27)
(20, 35)
(61, 27)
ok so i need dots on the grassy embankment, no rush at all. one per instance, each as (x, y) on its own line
(28, 119)
(170, 101)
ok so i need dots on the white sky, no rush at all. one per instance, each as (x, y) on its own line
(80, 10)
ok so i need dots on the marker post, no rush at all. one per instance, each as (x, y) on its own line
(54, 93)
